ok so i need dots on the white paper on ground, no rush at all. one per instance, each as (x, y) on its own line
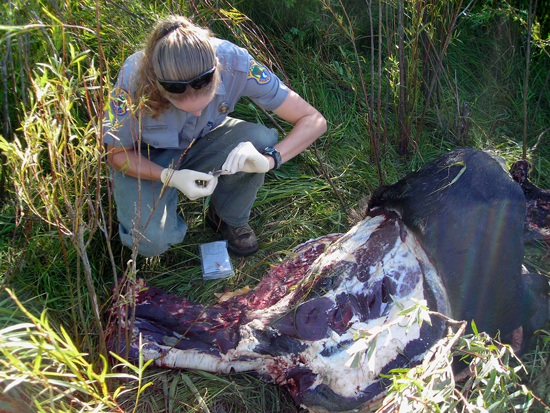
(215, 260)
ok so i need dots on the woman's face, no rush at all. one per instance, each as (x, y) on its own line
(193, 105)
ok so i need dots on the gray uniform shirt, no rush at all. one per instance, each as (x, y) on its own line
(241, 75)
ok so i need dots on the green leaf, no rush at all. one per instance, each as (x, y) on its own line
(356, 360)
(474, 328)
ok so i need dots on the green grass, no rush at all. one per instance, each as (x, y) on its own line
(317, 193)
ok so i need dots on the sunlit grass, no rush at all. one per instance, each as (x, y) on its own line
(59, 249)
(43, 370)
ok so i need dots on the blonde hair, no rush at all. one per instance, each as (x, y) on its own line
(176, 50)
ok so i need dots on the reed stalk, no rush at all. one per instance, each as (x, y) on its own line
(389, 76)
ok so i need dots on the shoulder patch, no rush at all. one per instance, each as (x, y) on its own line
(258, 72)
(120, 101)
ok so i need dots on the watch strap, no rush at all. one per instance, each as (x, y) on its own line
(275, 154)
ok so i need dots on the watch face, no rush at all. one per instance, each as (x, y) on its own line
(274, 153)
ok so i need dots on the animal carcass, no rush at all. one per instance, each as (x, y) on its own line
(328, 321)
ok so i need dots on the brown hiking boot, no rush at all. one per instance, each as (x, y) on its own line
(240, 240)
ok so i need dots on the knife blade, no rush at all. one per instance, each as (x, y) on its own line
(220, 172)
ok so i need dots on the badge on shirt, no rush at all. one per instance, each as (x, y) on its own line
(223, 108)
(258, 72)
(120, 102)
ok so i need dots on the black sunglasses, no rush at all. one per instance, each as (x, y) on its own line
(179, 86)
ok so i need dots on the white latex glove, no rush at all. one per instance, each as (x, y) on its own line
(245, 158)
(185, 181)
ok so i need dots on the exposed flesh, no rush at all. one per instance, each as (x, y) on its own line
(324, 323)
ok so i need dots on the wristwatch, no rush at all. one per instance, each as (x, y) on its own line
(274, 153)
